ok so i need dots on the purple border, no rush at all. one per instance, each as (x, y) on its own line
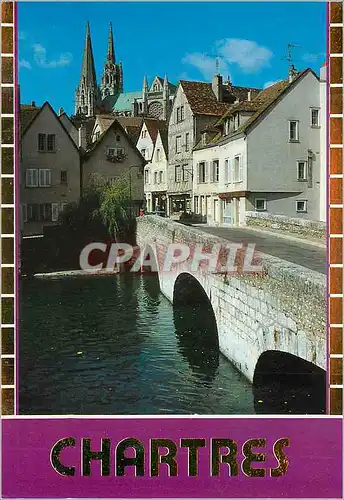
(314, 458)
(327, 205)
(16, 206)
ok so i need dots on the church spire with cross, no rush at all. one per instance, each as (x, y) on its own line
(112, 79)
(87, 93)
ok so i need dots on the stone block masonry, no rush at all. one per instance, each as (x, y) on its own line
(292, 225)
(279, 309)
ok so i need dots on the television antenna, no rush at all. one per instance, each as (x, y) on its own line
(289, 58)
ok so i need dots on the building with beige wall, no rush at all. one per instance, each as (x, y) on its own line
(114, 155)
(155, 176)
(49, 168)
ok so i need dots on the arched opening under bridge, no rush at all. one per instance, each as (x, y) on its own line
(286, 384)
(195, 326)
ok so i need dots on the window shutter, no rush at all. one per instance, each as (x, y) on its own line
(240, 168)
(54, 211)
(211, 171)
(206, 171)
(197, 167)
(230, 170)
(34, 180)
(28, 180)
(41, 177)
(48, 177)
(226, 171)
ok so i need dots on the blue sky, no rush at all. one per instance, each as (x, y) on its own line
(180, 39)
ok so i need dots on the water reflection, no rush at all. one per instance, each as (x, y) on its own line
(195, 327)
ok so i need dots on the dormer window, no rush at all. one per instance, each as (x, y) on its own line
(226, 127)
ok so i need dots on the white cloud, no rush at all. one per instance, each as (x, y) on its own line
(24, 64)
(40, 56)
(205, 64)
(247, 54)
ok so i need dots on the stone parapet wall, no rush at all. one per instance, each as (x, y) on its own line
(299, 226)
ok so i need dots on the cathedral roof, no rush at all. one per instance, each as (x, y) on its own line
(125, 100)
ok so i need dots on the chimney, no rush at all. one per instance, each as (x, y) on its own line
(33, 104)
(217, 87)
(61, 111)
(82, 136)
(323, 72)
(249, 95)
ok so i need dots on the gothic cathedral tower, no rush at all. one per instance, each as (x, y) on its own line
(87, 98)
(112, 79)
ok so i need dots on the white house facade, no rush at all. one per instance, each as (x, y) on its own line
(266, 156)
(155, 177)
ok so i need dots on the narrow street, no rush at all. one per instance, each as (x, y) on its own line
(303, 254)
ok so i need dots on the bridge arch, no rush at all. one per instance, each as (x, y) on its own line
(285, 383)
(196, 326)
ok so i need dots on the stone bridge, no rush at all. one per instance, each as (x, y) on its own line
(279, 310)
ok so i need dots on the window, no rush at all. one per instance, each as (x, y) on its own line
(33, 212)
(301, 171)
(45, 212)
(120, 151)
(293, 131)
(226, 127)
(161, 177)
(196, 204)
(144, 134)
(31, 177)
(158, 154)
(146, 177)
(215, 169)
(315, 117)
(178, 143)
(118, 138)
(187, 141)
(260, 204)
(41, 142)
(143, 152)
(178, 173)
(63, 176)
(44, 177)
(237, 174)
(23, 213)
(111, 151)
(201, 172)
(301, 206)
(185, 172)
(51, 142)
(181, 113)
(155, 177)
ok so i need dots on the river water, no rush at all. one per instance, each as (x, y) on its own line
(115, 345)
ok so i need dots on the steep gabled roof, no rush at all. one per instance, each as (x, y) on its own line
(202, 99)
(30, 119)
(64, 115)
(262, 104)
(115, 125)
(27, 115)
(153, 127)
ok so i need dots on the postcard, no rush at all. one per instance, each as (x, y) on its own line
(172, 249)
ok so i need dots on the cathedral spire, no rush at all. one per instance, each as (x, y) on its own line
(111, 50)
(88, 72)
